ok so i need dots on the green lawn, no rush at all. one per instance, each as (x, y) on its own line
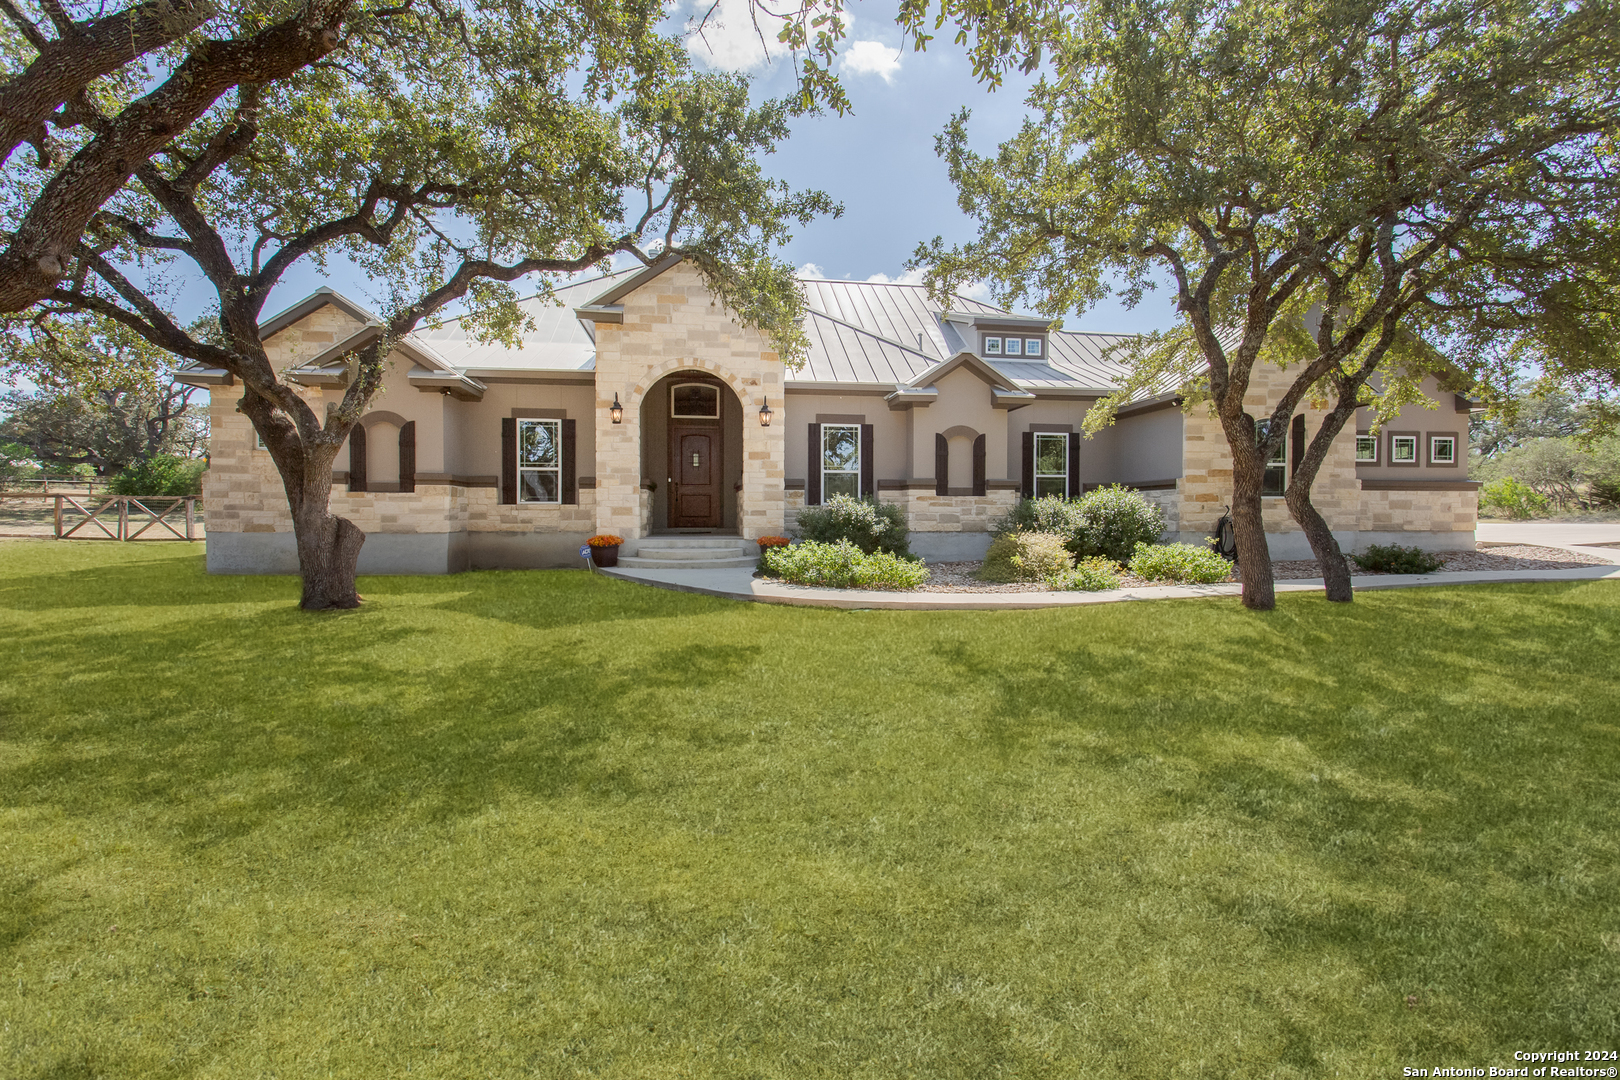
(547, 824)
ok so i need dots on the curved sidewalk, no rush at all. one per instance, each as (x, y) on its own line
(742, 585)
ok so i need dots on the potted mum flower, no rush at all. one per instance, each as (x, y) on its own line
(768, 542)
(605, 549)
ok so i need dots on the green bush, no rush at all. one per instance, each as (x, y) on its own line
(1514, 498)
(870, 526)
(1090, 575)
(1048, 514)
(1196, 563)
(164, 474)
(1394, 559)
(1112, 521)
(842, 565)
(1025, 556)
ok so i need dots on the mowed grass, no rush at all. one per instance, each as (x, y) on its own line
(547, 824)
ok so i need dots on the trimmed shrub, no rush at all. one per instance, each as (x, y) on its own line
(1394, 559)
(870, 526)
(164, 474)
(842, 565)
(1048, 514)
(1090, 575)
(1514, 498)
(1112, 521)
(1196, 563)
(1025, 556)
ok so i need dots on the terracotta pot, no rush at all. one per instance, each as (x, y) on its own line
(605, 556)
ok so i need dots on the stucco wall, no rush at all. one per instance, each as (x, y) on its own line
(890, 433)
(1147, 446)
(1442, 419)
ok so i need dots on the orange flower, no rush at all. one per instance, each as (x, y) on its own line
(605, 541)
(774, 541)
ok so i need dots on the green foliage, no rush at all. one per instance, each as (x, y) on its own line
(1048, 514)
(1025, 556)
(1194, 563)
(1088, 575)
(1111, 521)
(1394, 559)
(104, 428)
(842, 565)
(868, 524)
(1107, 521)
(161, 475)
(1565, 473)
(1513, 498)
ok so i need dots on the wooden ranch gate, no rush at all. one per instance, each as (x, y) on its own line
(126, 517)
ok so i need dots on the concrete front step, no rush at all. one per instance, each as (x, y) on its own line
(695, 543)
(649, 551)
(724, 562)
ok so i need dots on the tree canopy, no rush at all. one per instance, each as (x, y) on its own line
(1333, 184)
(451, 153)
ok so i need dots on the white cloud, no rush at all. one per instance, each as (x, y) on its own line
(910, 277)
(811, 270)
(872, 58)
(978, 290)
(729, 40)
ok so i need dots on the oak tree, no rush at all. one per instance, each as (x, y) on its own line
(456, 151)
(1320, 183)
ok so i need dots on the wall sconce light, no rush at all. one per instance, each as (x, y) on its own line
(616, 410)
(765, 413)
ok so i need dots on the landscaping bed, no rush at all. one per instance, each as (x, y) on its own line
(959, 577)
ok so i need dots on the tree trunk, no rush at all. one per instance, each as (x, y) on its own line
(1335, 568)
(328, 552)
(328, 545)
(1249, 529)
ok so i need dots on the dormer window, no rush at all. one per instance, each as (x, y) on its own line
(1007, 345)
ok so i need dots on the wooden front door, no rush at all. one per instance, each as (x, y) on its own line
(694, 502)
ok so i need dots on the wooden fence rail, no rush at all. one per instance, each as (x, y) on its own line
(122, 526)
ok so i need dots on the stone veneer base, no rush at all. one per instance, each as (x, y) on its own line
(403, 553)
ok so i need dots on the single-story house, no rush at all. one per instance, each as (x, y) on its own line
(637, 405)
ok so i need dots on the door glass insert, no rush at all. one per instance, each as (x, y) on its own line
(697, 401)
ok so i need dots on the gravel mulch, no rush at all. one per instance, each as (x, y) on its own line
(951, 577)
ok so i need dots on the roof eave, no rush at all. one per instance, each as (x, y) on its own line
(204, 377)
(456, 385)
(600, 313)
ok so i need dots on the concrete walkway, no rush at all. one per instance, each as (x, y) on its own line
(740, 584)
(1575, 535)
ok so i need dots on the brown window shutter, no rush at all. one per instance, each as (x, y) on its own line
(868, 484)
(570, 464)
(980, 485)
(357, 458)
(1074, 465)
(1296, 435)
(942, 464)
(508, 459)
(812, 480)
(1027, 479)
(407, 456)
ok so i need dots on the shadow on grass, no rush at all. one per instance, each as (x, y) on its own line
(1414, 795)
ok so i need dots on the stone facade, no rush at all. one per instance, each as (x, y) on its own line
(673, 324)
(1442, 512)
(927, 512)
(649, 327)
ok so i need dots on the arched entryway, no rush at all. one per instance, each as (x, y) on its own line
(692, 450)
